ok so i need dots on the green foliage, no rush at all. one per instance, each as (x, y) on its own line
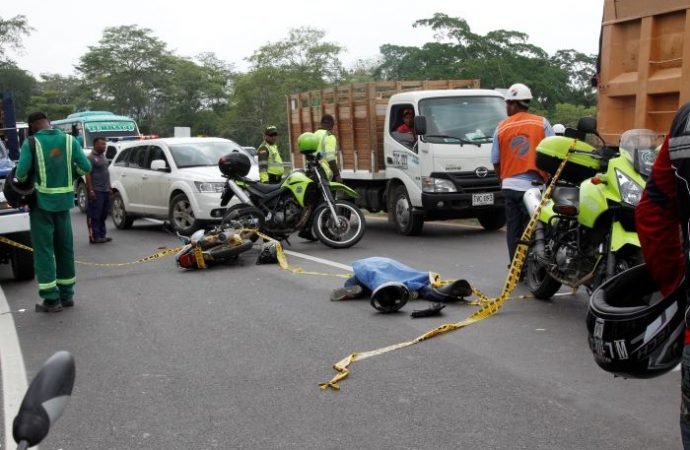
(568, 114)
(21, 83)
(11, 33)
(57, 95)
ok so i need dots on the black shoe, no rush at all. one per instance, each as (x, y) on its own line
(48, 307)
(67, 302)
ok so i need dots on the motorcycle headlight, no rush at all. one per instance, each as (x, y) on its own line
(631, 192)
(437, 185)
(208, 187)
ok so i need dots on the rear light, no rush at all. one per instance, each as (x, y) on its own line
(565, 210)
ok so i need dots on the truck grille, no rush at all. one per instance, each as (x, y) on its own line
(469, 182)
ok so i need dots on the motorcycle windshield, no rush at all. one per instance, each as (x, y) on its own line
(642, 145)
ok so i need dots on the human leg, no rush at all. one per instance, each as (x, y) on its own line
(64, 255)
(516, 219)
(42, 230)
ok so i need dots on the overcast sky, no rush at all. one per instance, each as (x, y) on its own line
(234, 30)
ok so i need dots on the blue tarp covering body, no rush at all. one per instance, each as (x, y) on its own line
(375, 271)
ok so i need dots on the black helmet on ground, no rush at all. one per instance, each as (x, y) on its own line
(633, 331)
(390, 297)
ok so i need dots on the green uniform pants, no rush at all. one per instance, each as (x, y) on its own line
(51, 236)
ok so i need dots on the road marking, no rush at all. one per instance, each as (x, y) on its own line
(441, 223)
(12, 367)
(319, 260)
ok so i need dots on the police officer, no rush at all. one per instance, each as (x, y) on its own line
(271, 168)
(328, 145)
(56, 160)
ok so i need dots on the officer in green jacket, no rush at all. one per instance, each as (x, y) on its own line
(57, 160)
(328, 148)
(271, 168)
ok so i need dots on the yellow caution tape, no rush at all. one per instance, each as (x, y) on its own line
(155, 256)
(488, 306)
(199, 256)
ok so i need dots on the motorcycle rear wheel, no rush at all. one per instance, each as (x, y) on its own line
(348, 233)
(539, 282)
(247, 217)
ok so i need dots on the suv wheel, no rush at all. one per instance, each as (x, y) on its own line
(121, 219)
(182, 215)
(81, 196)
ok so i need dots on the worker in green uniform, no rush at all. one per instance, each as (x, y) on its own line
(55, 160)
(271, 168)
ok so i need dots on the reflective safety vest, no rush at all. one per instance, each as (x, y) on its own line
(327, 149)
(273, 165)
(518, 136)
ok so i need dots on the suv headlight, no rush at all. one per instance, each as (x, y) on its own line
(437, 185)
(208, 187)
(631, 192)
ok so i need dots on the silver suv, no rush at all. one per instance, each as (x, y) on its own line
(173, 178)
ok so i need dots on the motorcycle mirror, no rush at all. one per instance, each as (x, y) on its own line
(420, 125)
(45, 400)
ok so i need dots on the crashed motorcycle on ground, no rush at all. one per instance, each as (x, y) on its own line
(304, 201)
(586, 231)
(215, 246)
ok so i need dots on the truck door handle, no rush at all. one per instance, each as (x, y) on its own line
(389, 160)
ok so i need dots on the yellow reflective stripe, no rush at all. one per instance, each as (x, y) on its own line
(43, 286)
(67, 280)
(55, 190)
(69, 139)
(41, 164)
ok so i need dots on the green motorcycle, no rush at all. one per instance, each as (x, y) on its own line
(304, 201)
(586, 231)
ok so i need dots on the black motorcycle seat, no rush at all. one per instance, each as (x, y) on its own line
(265, 187)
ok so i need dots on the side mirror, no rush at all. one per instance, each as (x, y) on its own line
(45, 400)
(159, 165)
(587, 125)
(420, 125)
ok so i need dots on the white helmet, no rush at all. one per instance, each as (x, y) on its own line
(559, 129)
(518, 93)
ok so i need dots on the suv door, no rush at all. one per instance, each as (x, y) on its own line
(156, 183)
(132, 179)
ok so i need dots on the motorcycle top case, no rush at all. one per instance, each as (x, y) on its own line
(552, 150)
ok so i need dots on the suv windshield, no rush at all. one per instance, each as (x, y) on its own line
(195, 154)
(453, 120)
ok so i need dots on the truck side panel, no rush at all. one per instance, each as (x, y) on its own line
(644, 65)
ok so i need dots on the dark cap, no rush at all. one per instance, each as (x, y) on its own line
(35, 117)
(271, 131)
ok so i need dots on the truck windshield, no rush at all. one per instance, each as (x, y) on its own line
(453, 120)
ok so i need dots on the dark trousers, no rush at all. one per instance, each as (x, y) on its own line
(96, 213)
(517, 219)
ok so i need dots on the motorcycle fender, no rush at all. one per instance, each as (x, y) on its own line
(546, 212)
(592, 203)
(620, 237)
(341, 187)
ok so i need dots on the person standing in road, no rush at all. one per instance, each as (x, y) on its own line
(99, 193)
(661, 216)
(328, 148)
(55, 159)
(514, 157)
(271, 168)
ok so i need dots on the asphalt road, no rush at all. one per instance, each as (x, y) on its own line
(231, 357)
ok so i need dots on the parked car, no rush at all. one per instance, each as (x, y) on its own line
(173, 178)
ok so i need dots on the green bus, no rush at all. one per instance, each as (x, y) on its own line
(89, 125)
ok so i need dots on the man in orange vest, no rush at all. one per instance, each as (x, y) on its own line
(514, 157)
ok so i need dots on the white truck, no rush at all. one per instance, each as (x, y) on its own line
(14, 225)
(442, 171)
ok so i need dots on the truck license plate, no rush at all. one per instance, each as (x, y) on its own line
(483, 199)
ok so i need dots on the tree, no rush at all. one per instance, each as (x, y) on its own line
(11, 33)
(128, 70)
(21, 83)
(57, 95)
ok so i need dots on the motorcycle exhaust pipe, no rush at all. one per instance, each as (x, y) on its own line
(531, 199)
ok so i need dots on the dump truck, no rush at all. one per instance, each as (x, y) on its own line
(644, 65)
(441, 171)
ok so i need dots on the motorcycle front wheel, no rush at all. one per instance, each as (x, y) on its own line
(246, 218)
(343, 233)
(539, 282)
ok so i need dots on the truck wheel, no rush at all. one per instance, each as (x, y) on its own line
(121, 219)
(406, 222)
(492, 221)
(182, 215)
(22, 260)
(81, 197)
